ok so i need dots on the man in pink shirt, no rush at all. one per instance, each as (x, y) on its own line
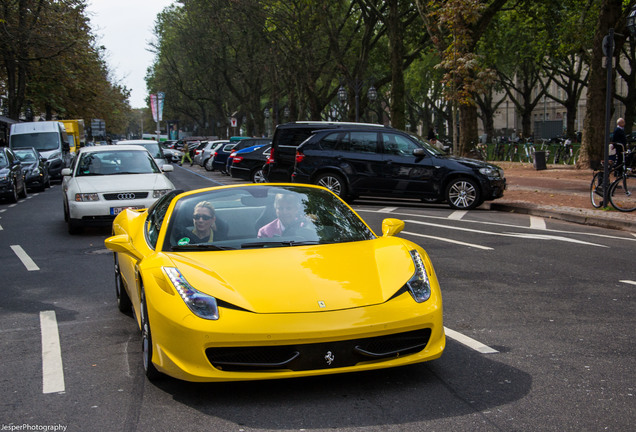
(289, 217)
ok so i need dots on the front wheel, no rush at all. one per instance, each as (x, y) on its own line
(333, 182)
(596, 190)
(463, 194)
(123, 301)
(622, 194)
(146, 340)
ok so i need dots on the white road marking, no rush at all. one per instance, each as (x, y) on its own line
(25, 258)
(404, 215)
(444, 239)
(458, 214)
(515, 235)
(52, 370)
(537, 222)
(3, 210)
(0, 227)
(469, 342)
(629, 282)
(387, 210)
(13, 205)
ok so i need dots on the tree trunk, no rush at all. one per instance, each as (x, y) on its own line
(592, 147)
(468, 127)
(394, 27)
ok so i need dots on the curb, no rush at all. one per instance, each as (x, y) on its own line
(568, 214)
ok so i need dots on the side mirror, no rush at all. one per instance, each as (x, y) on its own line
(66, 171)
(391, 227)
(65, 146)
(419, 152)
(122, 244)
(167, 168)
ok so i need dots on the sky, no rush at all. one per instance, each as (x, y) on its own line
(124, 27)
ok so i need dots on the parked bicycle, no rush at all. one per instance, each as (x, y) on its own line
(564, 152)
(622, 191)
(527, 155)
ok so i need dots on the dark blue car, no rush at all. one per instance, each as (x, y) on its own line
(250, 143)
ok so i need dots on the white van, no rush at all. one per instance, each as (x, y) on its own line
(47, 137)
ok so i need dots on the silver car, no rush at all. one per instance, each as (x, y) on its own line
(204, 155)
(152, 146)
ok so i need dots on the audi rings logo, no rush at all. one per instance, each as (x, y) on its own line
(126, 196)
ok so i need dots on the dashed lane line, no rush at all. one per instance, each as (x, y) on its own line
(457, 214)
(469, 342)
(447, 240)
(537, 222)
(52, 370)
(25, 258)
(628, 282)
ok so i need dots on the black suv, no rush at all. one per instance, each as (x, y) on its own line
(392, 163)
(287, 137)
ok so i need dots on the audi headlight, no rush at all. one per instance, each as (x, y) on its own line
(158, 193)
(419, 285)
(82, 197)
(202, 305)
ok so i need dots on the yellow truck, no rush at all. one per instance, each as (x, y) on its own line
(75, 132)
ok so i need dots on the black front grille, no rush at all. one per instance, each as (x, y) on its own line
(125, 196)
(327, 355)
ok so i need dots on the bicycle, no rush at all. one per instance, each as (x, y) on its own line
(622, 191)
(513, 150)
(528, 152)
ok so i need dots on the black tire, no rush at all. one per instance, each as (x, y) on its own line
(123, 301)
(463, 194)
(622, 194)
(146, 340)
(258, 176)
(14, 194)
(596, 190)
(205, 164)
(333, 182)
(23, 192)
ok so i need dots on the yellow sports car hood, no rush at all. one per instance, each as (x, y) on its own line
(301, 278)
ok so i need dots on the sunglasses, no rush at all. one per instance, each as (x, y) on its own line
(201, 216)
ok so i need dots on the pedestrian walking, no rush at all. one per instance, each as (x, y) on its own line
(186, 154)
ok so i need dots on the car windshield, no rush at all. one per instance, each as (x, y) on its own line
(154, 150)
(3, 161)
(41, 141)
(430, 148)
(116, 162)
(252, 217)
(25, 155)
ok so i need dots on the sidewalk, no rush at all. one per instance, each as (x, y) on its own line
(559, 192)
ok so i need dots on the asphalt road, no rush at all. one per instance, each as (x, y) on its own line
(540, 319)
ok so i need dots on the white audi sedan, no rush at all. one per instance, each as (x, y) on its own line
(102, 181)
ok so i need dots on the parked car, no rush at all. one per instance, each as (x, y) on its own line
(391, 163)
(220, 156)
(205, 151)
(35, 168)
(251, 143)
(325, 295)
(287, 137)
(247, 164)
(104, 180)
(12, 176)
(153, 148)
(209, 160)
(172, 155)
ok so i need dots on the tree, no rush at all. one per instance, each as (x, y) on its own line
(455, 27)
(612, 15)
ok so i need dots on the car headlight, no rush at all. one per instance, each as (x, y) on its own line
(489, 172)
(419, 285)
(202, 305)
(82, 197)
(158, 193)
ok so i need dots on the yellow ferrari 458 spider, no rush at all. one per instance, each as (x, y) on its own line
(267, 281)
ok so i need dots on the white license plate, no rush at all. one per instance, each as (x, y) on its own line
(116, 210)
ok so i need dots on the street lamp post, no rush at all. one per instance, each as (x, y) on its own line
(357, 85)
